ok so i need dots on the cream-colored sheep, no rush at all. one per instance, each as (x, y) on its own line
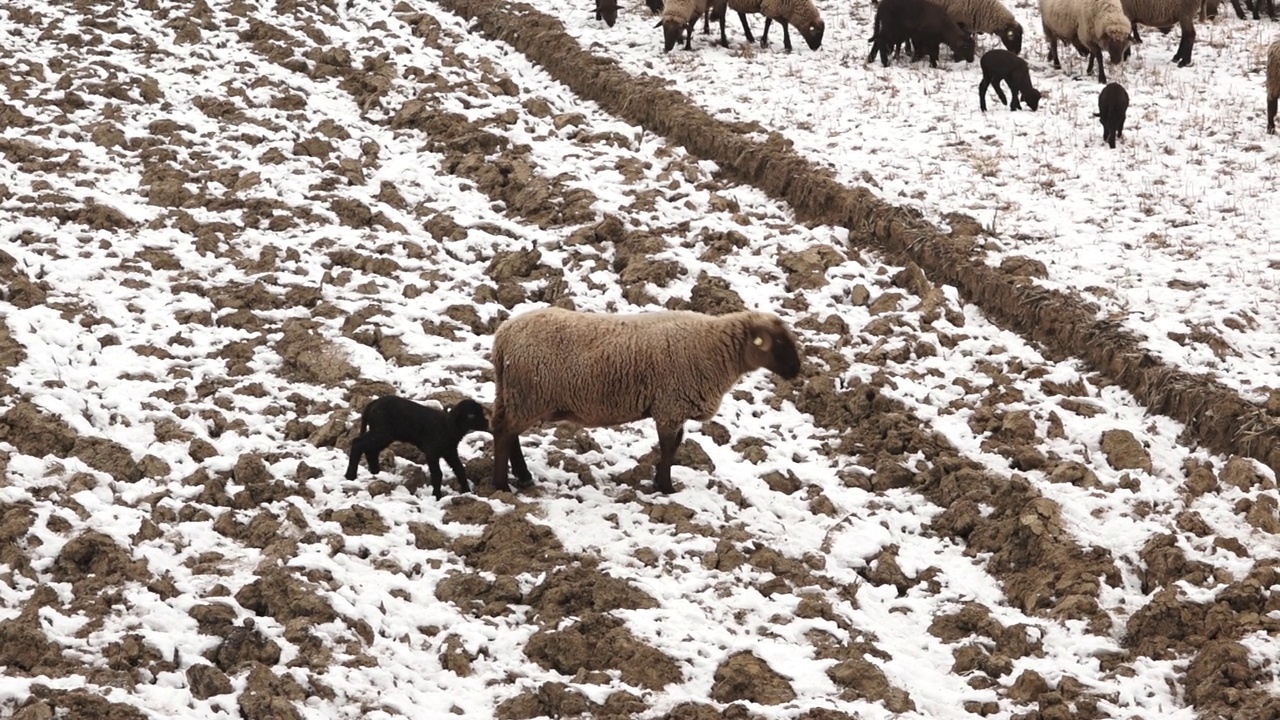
(600, 370)
(1165, 14)
(1090, 26)
(802, 14)
(1273, 84)
(986, 16)
(679, 17)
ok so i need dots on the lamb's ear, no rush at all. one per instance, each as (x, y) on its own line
(659, 24)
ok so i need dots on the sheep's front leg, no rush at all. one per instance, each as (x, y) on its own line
(786, 36)
(746, 28)
(1188, 41)
(669, 437)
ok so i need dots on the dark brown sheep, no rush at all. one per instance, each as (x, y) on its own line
(602, 370)
(1004, 66)
(1113, 103)
(923, 22)
(435, 432)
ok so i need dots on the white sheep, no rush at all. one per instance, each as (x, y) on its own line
(1090, 26)
(1273, 84)
(679, 17)
(1165, 14)
(601, 370)
(802, 14)
(986, 16)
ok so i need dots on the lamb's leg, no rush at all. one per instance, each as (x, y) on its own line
(995, 85)
(437, 477)
(1271, 115)
(357, 449)
(746, 28)
(982, 92)
(1013, 99)
(1235, 5)
(669, 438)
(371, 444)
(459, 472)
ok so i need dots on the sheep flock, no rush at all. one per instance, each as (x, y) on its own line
(1104, 31)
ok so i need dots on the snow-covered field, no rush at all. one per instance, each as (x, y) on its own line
(228, 226)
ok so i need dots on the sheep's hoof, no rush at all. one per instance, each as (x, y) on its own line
(524, 483)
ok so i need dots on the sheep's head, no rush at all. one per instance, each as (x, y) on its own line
(607, 10)
(813, 33)
(963, 46)
(672, 32)
(1115, 43)
(469, 416)
(770, 344)
(1011, 36)
(655, 6)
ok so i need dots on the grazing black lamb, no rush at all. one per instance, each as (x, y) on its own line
(1003, 66)
(435, 432)
(607, 10)
(1113, 102)
(925, 23)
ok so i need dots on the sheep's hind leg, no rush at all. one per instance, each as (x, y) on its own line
(668, 440)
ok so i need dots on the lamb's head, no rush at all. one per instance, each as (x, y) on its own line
(813, 32)
(468, 416)
(1011, 36)
(771, 344)
(672, 32)
(607, 10)
(1032, 98)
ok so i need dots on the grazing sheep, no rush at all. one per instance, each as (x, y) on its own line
(679, 18)
(1002, 65)
(923, 22)
(435, 432)
(607, 10)
(1273, 84)
(601, 370)
(1253, 6)
(1090, 26)
(802, 14)
(1164, 14)
(1113, 103)
(986, 16)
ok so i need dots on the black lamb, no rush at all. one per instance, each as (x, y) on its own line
(1003, 66)
(435, 432)
(924, 23)
(607, 10)
(1113, 103)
